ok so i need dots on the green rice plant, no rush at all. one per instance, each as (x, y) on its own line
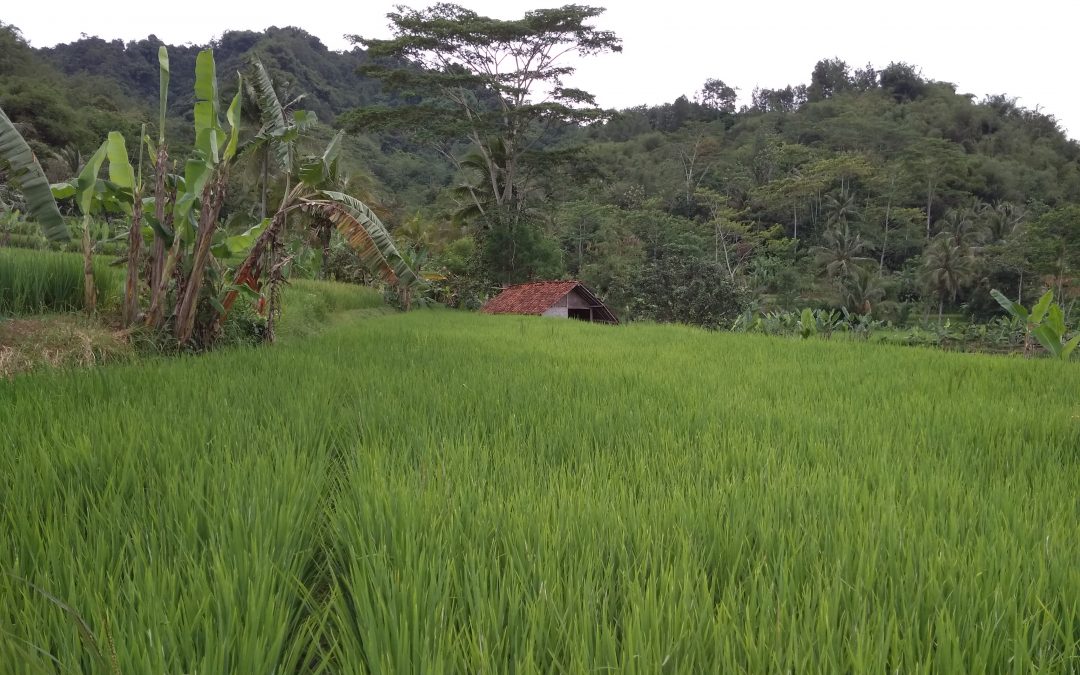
(435, 492)
(308, 304)
(32, 282)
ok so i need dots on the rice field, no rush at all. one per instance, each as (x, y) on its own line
(32, 282)
(444, 493)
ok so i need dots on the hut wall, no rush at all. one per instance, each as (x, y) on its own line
(575, 300)
(559, 309)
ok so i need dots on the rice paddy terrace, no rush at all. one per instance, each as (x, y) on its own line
(436, 492)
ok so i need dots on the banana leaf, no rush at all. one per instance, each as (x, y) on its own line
(26, 174)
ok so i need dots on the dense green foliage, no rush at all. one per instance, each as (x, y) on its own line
(445, 493)
(46, 281)
(880, 190)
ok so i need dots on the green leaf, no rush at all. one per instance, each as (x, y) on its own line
(247, 291)
(304, 119)
(63, 190)
(206, 88)
(1039, 310)
(271, 114)
(233, 115)
(1014, 308)
(241, 243)
(313, 174)
(216, 304)
(88, 179)
(1056, 320)
(1048, 339)
(209, 136)
(196, 173)
(1070, 346)
(206, 131)
(120, 170)
(163, 91)
(26, 174)
(333, 149)
(151, 149)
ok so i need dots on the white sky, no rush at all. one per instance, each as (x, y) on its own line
(1025, 49)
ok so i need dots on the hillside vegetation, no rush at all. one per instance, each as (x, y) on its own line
(880, 189)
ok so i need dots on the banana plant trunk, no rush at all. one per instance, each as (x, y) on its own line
(89, 292)
(131, 288)
(251, 269)
(157, 254)
(324, 242)
(212, 198)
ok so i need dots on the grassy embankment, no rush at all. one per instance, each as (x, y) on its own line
(42, 324)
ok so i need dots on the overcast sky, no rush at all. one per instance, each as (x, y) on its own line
(1025, 49)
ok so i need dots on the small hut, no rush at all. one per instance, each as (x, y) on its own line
(563, 299)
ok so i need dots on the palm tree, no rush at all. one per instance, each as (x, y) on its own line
(842, 252)
(1004, 220)
(841, 208)
(963, 226)
(862, 290)
(947, 268)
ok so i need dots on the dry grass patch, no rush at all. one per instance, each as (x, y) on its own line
(58, 341)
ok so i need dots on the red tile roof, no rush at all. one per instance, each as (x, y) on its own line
(533, 298)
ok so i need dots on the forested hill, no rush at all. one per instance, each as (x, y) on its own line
(328, 80)
(793, 198)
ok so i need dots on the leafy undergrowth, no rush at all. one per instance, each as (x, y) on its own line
(58, 341)
(437, 492)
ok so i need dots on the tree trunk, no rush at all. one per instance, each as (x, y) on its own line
(929, 205)
(157, 254)
(275, 283)
(324, 241)
(885, 240)
(265, 177)
(251, 268)
(131, 289)
(89, 292)
(212, 198)
(156, 314)
(940, 308)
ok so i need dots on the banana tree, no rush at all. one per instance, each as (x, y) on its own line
(25, 173)
(205, 181)
(163, 197)
(94, 195)
(357, 223)
(1045, 322)
(280, 128)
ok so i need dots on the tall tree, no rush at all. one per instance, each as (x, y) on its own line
(717, 95)
(830, 77)
(498, 85)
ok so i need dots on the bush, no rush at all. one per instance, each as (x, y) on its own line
(684, 289)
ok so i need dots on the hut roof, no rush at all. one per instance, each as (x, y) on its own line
(538, 296)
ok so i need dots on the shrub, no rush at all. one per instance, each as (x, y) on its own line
(678, 289)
